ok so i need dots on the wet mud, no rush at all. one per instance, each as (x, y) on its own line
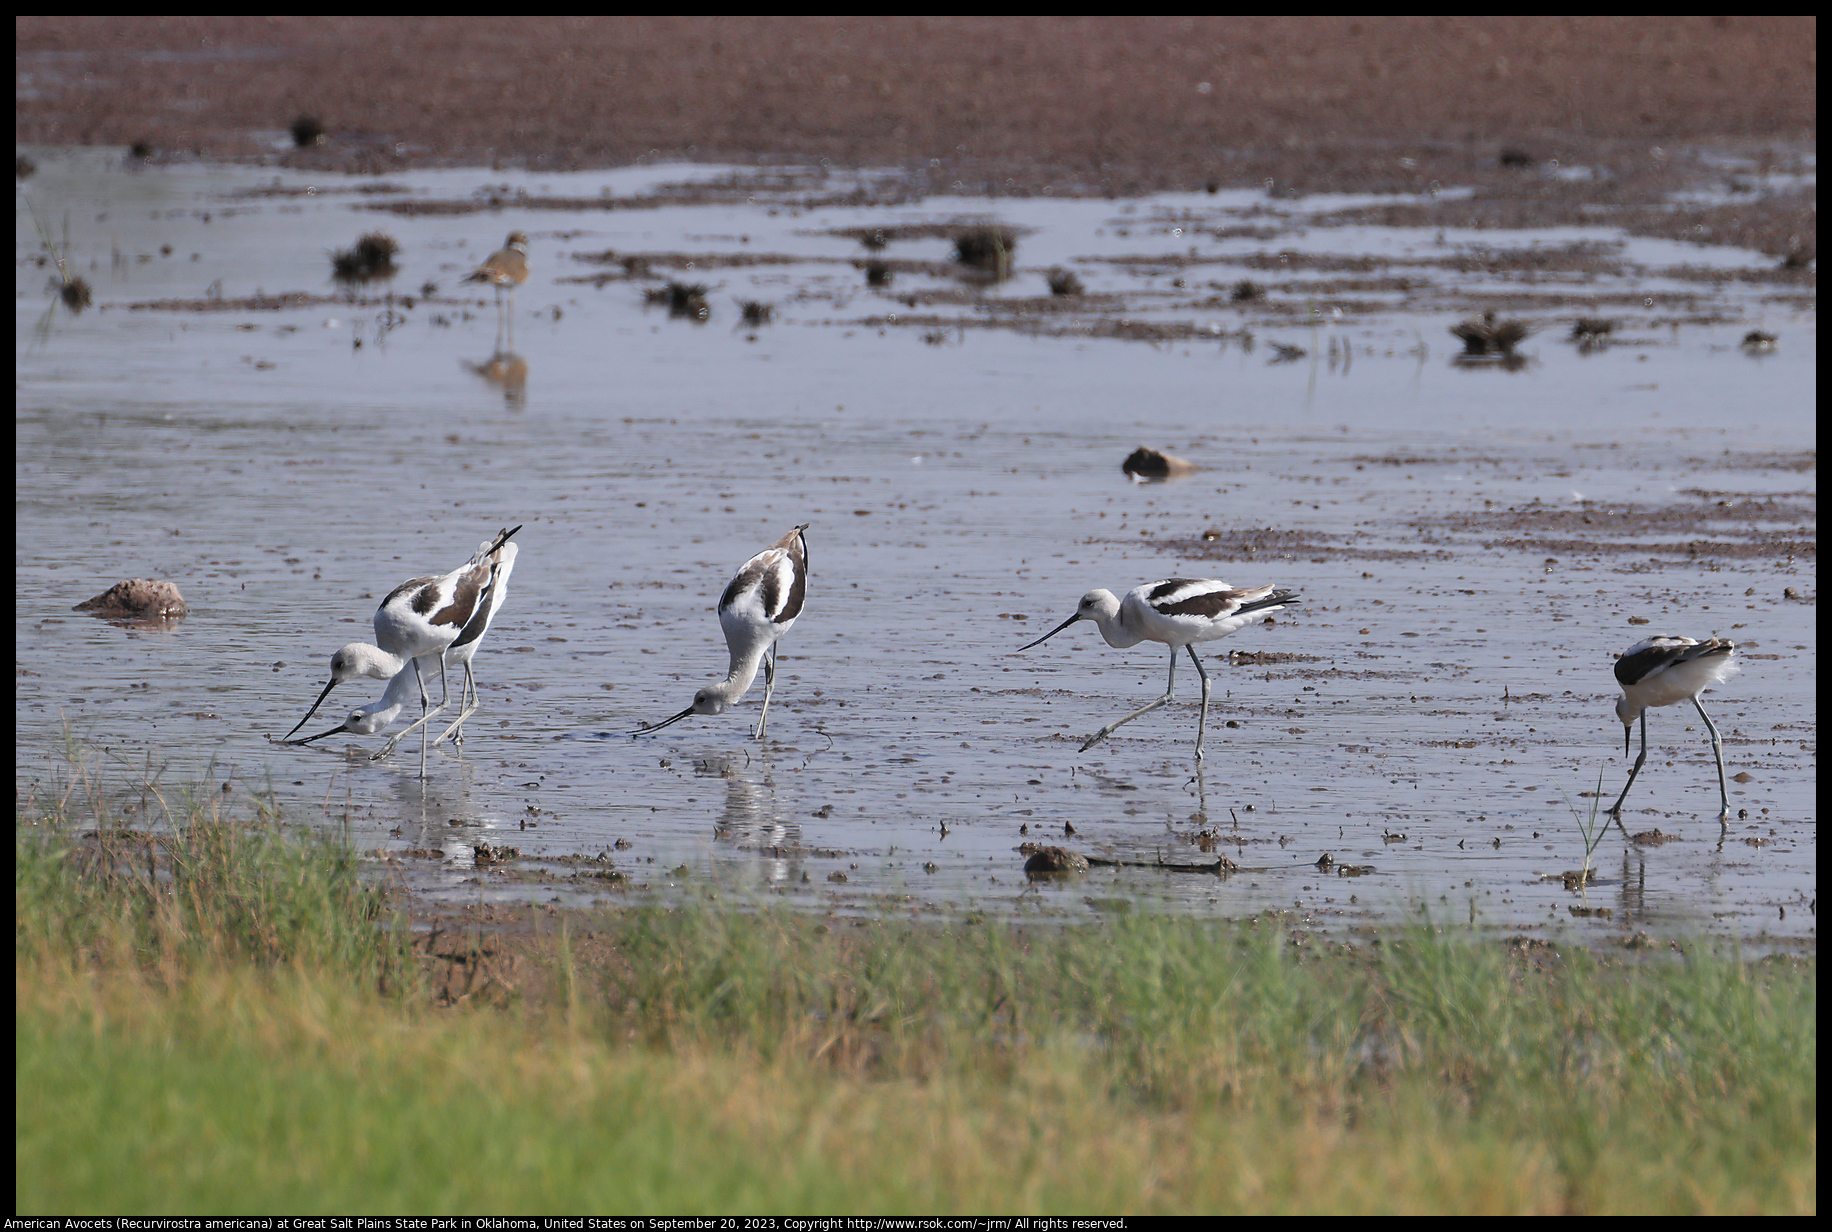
(1421, 738)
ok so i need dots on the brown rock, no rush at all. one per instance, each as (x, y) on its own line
(136, 599)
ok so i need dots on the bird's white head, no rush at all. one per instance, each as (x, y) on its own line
(1627, 711)
(360, 659)
(710, 700)
(1097, 605)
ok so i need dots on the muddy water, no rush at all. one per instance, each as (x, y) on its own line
(1474, 544)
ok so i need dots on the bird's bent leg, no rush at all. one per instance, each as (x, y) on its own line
(1170, 688)
(467, 698)
(1615, 810)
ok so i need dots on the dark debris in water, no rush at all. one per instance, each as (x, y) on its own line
(1148, 464)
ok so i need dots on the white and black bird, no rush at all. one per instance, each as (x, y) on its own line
(1664, 671)
(416, 624)
(1177, 612)
(759, 606)
(379, 715)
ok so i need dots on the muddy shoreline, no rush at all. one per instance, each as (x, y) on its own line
(995, 106)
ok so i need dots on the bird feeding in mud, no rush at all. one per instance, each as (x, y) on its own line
(757, 608)
(379, 715)
(1664, 671)
(416, 624)
(1177, 612)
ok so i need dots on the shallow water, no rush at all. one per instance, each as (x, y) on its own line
(1474, 545)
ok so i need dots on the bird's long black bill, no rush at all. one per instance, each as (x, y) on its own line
(308, 739)
(1052, 633)
(655, 727)
(308, 714)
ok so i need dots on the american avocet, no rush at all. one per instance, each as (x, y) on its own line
(465, 647)
(758, 607)
(420, 618)
(377, 715)
(1178, 612)
(459, 653)
(1663, 671)
(380, 715)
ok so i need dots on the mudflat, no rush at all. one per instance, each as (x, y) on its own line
(1117, 105)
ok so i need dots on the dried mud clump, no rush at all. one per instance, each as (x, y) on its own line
(1052, 861)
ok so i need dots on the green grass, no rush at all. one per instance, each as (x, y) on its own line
(237, 1029)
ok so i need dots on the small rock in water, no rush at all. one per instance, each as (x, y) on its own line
(136, 599)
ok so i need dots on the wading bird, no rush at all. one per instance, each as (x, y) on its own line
(420, 619)
(379, 715)
(1177, 612)
(1664, 671)
(758, 607)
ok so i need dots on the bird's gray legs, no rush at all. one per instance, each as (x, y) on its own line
(1203, 722)
(769, 683)
(428, 715)
(1717, 751)
(467, 699)
(505, 326)
(1615, 810)
(1170, 689)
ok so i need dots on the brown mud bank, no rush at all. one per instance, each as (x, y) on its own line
(983, 105)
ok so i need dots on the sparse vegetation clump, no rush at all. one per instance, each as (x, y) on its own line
(1490, 335)
(370, 258)
(75, 293)
(307, 131)
(1064, 282)
(683, 299)
(990, 250)
(1759, 341)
